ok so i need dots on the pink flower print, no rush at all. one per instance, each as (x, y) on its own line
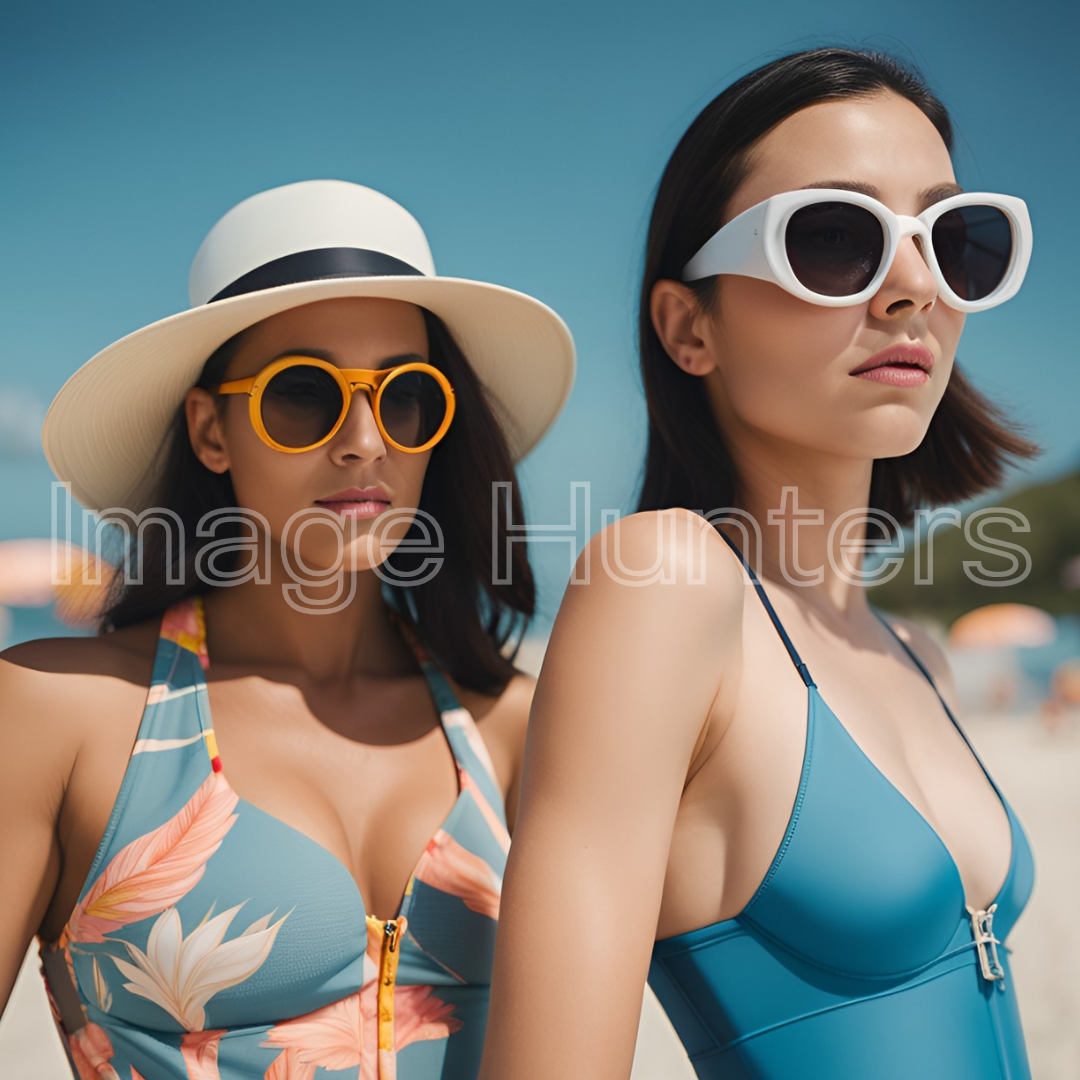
(155, 871)
(329, 1037)
(200, 1052)
(287, 1066)
(463, 721)
(92, 1053)
(419, 1016)
(447, 866)
(344, 1034)
(494, 822)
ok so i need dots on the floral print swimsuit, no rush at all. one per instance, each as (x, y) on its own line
(212, 941)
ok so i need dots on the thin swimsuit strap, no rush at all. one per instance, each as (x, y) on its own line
(800, 667)
(805, 673)
(944, 704)
(907, 648)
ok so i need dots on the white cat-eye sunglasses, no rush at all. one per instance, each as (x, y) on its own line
(834, 247)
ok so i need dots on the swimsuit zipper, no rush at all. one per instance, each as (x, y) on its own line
(388, 962)
(982, 926)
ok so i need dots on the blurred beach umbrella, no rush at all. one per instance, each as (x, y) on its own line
(1003, 625)
(21, 416)
(26, 573)
(1065, 682)
(29, 579)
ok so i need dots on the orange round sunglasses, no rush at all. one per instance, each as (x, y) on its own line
(297, 403)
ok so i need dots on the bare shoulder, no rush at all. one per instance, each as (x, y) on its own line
(674, 548)
(650, 625)
(657, 595)
(64, 681)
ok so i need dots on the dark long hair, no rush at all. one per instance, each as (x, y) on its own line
(468, 623)
(969, 441)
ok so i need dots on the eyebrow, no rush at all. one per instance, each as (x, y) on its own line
(324, 354)
(926, 198)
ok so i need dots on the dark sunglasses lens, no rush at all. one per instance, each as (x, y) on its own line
(300, 405)
(412, 407)
(834, 248)
(973, 245)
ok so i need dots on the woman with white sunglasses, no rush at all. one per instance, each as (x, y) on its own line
(742, 781)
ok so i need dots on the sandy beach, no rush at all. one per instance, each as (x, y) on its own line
(1037, 769)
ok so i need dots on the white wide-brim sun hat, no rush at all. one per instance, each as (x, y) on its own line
(294, 245)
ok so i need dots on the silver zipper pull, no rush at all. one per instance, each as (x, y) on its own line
(982, 927)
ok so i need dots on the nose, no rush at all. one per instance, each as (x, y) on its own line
(909, 286)
(359, 436)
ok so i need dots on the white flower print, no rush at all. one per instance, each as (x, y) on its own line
(181, 974)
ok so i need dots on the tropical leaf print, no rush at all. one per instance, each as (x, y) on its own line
(181, 974)
(92, 1052)
(462, 720)
(343, 1035)
(287, 1066)
(447, 866)
(200, 1053)
(101, 989)
(330, 1037)
(155, 871)
(494, 822)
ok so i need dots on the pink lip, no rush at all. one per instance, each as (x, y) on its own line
(899, 365)
(356, 502)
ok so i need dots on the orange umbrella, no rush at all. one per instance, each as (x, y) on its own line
(28, 579)
(26, 572)
(1066, 681)
(998, 625)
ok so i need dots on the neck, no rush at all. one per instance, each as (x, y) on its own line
(809, 534)
(253, 624)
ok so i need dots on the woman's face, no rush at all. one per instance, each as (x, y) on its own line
(350, 333)
(783, 367)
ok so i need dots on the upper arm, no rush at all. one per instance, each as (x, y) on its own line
(37, 753)
(627, 682)
(626, 687)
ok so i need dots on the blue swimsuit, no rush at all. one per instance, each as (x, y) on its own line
(857, 958)
(213, 941)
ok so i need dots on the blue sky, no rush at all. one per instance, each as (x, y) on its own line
(527, 139)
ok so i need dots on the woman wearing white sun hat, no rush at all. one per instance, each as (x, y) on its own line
(286, 854)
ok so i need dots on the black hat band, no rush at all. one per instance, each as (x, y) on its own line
(317, 265)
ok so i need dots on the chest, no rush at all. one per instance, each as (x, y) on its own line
(365, 782)
(370, 779)
(900, 749)
(193, 874)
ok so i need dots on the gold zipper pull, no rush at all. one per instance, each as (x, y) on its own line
(388, 962)
(982, 927)
(390, 932)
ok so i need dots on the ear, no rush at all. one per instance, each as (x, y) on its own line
(682, 326)
(205, 430)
